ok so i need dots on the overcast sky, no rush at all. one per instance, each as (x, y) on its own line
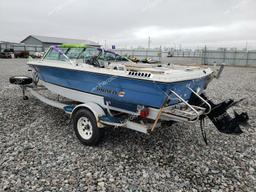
(126, 23)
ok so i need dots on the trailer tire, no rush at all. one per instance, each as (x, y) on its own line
(86, 129)
(20, 80)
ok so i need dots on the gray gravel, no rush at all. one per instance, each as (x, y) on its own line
(39, 151)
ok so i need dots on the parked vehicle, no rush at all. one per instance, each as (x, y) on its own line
(7, 53)
(107, 92)
(37, 55)
(21, 54)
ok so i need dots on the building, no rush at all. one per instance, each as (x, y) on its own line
(8, 45)
(18, 47)
(45, 42)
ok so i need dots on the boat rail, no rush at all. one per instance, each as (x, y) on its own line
(186, 112)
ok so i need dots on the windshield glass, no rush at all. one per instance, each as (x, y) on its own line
(56, 54)
(111, 56)
(63, 50)
(74, 53)
(83, 54)
(52, 55)
(89, 53)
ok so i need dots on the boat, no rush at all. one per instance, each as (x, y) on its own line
(108, 85)
(124, 85)
(149, 60)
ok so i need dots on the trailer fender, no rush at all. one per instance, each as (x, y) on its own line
(94, 108)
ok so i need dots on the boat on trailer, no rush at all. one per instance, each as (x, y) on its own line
(108, 89)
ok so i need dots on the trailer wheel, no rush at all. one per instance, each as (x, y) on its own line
(86, 128)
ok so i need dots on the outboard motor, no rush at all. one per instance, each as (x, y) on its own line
(219, 116)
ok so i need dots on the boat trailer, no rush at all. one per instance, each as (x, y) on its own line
(89, 118)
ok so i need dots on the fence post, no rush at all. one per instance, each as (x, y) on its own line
(204, 56)
(160, 54)
(247, 58)
(224, 55)
(235, 55)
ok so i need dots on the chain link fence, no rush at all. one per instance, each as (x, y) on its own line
(155, 54)
(200, 56)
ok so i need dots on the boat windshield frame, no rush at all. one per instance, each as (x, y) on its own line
(62, 53)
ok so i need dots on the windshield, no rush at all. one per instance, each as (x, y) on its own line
(111, 56)
(54, 54)
(74, 53)
(101, 55)
(83, 54)
(90, 52)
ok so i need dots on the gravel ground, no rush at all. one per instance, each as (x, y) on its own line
(39, 151)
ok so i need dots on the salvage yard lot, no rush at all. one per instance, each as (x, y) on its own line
(40, 152)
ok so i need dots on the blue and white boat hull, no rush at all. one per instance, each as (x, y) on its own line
(120, 92)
